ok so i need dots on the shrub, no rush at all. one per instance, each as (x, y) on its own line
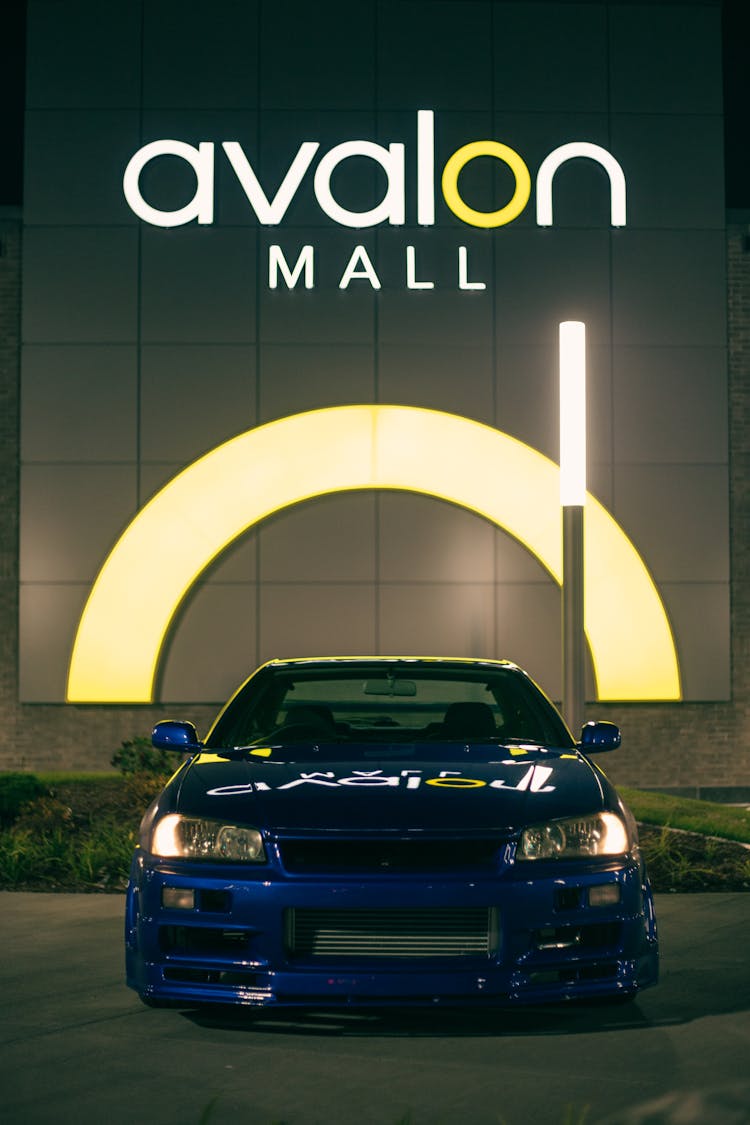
(60, 859)
(140, 790)
(78, 837)
(17, 790)
(45, 815)
(137, 755)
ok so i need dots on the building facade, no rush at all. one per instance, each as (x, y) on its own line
(262, 220)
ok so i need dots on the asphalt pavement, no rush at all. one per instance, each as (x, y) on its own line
(78, 1046)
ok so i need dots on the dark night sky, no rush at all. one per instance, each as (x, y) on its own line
(736, 18)
(12, 50)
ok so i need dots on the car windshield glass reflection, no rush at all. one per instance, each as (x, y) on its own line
(366, 705)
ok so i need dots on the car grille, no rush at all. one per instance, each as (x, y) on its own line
(391, 933)
(388, 856)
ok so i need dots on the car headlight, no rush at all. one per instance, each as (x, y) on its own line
(577, 837)
(189, 837)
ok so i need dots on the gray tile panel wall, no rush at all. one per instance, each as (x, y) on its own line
(200, 55)
(658, 59)
(308, 376)
(48, 617)
(444, 48)
(317, 620)
(71, 515)
(220, 621)
(328, 539)
(145, 347)
(528, 50)
(68, 169)
(78, 59)
(102, 381)
(193, 397)
(325, 56)
(200, 288)
(80, 285)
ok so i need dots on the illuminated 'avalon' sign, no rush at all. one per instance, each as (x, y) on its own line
(391, 209)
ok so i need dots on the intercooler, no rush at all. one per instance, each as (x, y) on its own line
(443, 932)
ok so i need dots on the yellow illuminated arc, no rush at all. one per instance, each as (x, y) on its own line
(214, 500)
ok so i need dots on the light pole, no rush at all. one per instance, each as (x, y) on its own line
(573, 499)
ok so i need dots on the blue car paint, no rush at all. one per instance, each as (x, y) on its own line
(547, 943)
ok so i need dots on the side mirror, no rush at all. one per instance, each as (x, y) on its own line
(596, 738)
(180, 737)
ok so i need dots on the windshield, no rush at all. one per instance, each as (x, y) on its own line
(379, 702)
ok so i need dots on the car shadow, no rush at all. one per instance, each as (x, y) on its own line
(703, 973)
(421, 1023)
(667, 1005)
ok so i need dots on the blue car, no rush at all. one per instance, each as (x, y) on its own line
(388, 831)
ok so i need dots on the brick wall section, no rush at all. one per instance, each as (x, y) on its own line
(708, 744)
(670, 746)
(10, 326)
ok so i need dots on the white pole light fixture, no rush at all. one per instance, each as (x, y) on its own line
(572, 413)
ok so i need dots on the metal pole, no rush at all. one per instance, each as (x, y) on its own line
(573, 499)
(574, 642)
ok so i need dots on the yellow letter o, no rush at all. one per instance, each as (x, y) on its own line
(502, 152)
(456, 782)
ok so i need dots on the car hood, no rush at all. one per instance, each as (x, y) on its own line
(420, 792)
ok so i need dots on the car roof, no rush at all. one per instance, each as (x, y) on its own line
(447, 661)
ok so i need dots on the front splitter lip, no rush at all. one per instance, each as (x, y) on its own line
(313, 995)
(319, 991)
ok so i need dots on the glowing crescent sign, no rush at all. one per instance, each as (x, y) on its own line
(210, 503)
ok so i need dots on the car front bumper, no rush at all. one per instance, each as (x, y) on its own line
(235, 944)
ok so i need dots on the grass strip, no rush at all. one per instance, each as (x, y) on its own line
(62, 776)
(688, 814)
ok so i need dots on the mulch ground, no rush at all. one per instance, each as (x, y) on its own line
(688, 861)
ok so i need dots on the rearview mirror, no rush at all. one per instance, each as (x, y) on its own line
(172, 735)
(391, 686)
(596, 738)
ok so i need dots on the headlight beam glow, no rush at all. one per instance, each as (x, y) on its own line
(187, 837)
(591, 836)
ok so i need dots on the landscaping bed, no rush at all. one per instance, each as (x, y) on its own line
(78, 835)
(688, 861)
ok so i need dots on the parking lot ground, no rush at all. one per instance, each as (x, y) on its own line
(77, 1046)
